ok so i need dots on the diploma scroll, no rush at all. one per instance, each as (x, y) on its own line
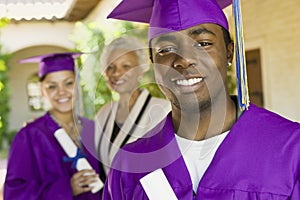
(71, 150)
(157, 186)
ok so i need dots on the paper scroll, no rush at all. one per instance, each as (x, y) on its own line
(71, 150)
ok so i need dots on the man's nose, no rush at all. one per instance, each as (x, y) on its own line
(186, 57)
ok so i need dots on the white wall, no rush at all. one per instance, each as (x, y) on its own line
(99, 16)
(273, 26)
(21, 35)
(102, 10)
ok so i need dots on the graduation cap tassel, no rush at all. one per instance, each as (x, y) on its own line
(241, 73)
(78, 108)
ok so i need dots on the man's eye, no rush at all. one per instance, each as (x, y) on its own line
(167, 50)
(202, 44)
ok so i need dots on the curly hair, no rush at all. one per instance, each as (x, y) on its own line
(128, 44)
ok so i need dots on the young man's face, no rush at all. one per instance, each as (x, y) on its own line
(191, 65)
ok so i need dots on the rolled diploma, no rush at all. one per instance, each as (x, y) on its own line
(71, 149)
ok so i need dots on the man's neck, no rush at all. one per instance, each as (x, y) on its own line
(206, 123)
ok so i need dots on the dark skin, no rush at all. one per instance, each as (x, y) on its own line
(191, 70)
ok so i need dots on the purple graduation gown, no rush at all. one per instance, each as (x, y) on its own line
(258, 159)
(36, 170)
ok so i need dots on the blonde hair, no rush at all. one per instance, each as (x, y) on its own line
(128, 44)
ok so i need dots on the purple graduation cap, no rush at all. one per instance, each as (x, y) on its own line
(53, 62)
(165, 16)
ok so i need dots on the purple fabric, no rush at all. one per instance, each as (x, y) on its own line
(259, 159)
(53, 62)
(166, 16)
(35, 167)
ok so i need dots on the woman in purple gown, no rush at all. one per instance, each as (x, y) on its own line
(38, 167)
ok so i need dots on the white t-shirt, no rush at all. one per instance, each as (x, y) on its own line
(199, 154)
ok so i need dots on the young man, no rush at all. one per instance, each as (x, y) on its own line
(206, 149)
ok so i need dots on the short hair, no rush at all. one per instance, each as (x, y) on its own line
(128, 44)
(226, 36)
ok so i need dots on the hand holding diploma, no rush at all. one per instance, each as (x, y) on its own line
(85, 179)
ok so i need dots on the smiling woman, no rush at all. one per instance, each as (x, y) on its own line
(47, 171)
(124, 63)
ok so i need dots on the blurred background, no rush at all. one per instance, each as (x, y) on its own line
(35, 27)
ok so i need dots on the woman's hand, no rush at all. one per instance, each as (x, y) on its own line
(80, 181)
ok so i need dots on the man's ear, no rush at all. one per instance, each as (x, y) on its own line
(230, 51)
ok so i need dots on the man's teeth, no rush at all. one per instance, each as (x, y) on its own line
(189, 82)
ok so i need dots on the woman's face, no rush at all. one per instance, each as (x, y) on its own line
(123, 72)
(59, 89)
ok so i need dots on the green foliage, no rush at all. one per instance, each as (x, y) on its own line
(231, 81)
(3, 153)
(4, 99)
(90, 40)
(4, 92)
(3, 22)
